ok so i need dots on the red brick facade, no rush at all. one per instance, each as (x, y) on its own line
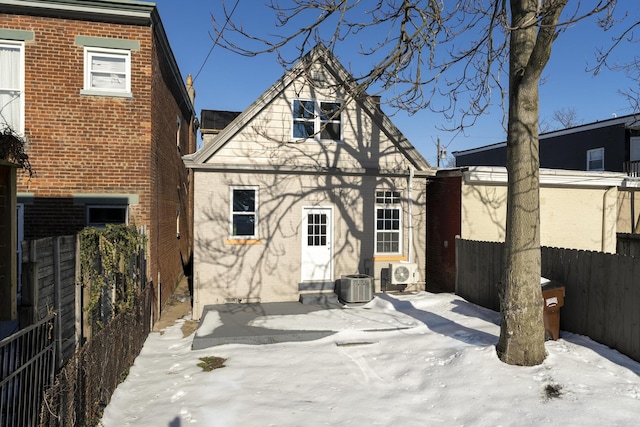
(84, 148)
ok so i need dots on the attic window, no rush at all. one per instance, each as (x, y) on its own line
(319, 78)
(319, 120)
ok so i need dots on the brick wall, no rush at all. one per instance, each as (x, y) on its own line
(81, 144)
(170, 179)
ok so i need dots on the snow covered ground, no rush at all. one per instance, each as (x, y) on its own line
(438, 367)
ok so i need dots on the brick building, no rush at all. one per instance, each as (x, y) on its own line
(95, 88)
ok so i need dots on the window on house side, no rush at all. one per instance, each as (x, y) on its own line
(244, 202)
(107, 70)
(595, 159)
(12, 85)
(388, 222)
(100, 216)
(320, 120)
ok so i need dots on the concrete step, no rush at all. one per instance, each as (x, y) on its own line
(319, 298)
(317, 286)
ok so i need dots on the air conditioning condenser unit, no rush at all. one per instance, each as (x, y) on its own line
(356, 288)
(403, 273)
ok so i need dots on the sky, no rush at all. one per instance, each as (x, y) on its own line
(228, 81)
(403, 360)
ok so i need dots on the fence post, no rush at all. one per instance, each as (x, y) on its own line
(30, 288)
(57, 283)
(78, 291)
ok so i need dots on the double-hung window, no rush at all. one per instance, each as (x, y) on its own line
(107, 70)
(595, 159)
(320, 120)
(388, 236)
(12, 85)
(244, 208)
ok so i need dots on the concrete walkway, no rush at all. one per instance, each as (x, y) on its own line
(236, 319)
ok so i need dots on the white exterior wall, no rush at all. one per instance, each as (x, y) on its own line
(570, 217)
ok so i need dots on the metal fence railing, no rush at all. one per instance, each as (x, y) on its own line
(83, 387)
(26, 368)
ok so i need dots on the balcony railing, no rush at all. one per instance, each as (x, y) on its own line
(632, 168)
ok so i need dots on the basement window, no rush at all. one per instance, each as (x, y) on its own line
(100, 216)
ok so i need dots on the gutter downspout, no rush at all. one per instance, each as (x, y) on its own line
(410, 214)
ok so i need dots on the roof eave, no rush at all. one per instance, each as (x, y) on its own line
(122, 11)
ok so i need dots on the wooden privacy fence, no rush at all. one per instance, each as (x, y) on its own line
(26, 368)
(49, 285)
(602, 297)
(29, 359)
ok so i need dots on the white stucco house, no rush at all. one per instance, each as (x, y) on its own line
(308, 184)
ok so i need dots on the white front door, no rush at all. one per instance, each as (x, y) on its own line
(317, 236)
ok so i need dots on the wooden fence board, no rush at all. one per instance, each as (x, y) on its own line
(597, 297)
(602, 291)
(632, 304)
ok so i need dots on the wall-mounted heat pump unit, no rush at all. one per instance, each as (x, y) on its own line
(356, 288)
(403, 273)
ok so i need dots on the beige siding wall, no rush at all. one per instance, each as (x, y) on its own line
(267, 140)
(269, 269)
(628, 211)
(577, 218)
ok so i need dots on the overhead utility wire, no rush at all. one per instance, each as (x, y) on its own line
(216, 40)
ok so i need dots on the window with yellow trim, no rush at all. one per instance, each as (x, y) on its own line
(388, 233)
(244, 203)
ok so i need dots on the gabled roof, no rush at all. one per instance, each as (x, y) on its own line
(319, 54)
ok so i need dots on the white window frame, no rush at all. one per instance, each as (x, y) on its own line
(388, 200)
(89, 53)
(318, 119)
(103, 224)
(590, 154)
(233, 212)
(19, 126)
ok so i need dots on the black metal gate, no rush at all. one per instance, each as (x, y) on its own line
(26, 368)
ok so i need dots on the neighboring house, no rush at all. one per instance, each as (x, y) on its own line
(94, 87)
(608, 145)
(578, 210)
(304, 186)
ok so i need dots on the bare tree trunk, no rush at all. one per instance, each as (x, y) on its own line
(521, 330)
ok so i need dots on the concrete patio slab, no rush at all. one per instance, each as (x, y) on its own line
(236, 328)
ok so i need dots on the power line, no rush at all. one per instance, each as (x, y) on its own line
(216, 40)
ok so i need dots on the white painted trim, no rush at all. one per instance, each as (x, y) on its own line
(303, 235)
(498, 175)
